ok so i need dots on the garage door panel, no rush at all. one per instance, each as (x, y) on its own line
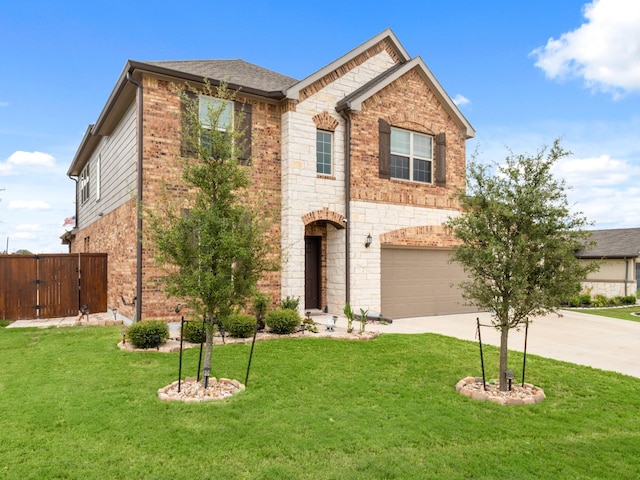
(417, 282)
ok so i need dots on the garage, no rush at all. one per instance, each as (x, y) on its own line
(417, 282)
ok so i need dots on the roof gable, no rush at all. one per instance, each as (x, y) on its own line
(293, 92)
(355, 99)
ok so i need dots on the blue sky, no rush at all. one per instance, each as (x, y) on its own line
(522, 72)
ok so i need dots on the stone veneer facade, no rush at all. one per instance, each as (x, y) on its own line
(394, 212)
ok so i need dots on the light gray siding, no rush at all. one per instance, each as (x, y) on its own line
(113, 165)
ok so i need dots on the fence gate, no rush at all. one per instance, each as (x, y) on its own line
(52, 285)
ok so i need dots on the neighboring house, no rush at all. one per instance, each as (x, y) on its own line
(360, 160)
(618, 252)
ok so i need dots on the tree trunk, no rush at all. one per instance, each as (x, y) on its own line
(207, 352)
(504, 337)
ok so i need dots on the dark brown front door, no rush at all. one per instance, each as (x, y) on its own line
(312, 272)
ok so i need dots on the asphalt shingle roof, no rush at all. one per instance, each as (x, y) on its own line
(235, 71)
(614, 243)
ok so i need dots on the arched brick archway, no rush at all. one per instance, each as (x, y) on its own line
(326, 215)
(316, 226)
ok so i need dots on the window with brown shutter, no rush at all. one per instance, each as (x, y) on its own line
(441, 159)
(243, 114)
(384, 154)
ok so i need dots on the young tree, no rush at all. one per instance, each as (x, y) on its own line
(518, 239)
(215, 250)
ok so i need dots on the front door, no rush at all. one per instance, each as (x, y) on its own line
(312, 271)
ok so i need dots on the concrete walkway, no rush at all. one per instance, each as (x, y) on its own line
(591, 340)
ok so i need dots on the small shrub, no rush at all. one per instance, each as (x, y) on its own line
(574, 301)
(6, 323)
(599, 301)
(585, 299)
(260, 306)
(629, 300)
(349, 314)
(290, 303)
(283, 321)
(148, 334)
(194, 332)
(239, 325)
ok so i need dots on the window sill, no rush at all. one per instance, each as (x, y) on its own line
(412, 182)
(326, 177)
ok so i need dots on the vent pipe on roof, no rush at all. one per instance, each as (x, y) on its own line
(138, 302)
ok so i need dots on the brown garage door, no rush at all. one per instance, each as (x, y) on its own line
(417, 282)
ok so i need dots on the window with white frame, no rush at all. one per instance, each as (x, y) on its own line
(84, 185)
(98, 175)
(411, 156)
(324, 147)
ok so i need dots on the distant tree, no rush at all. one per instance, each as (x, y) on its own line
(23, 252)
(215, 250)
(518, 239)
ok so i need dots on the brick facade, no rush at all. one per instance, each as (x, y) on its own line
(285, 181)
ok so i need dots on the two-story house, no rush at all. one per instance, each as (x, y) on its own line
(360, 160)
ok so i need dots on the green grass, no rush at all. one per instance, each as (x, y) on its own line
(623, 313)
(76, 407)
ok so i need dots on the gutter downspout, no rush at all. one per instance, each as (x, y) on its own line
(76, 202)
(347, 204)
(138, 300)
(626, 276)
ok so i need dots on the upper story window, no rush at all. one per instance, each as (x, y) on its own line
(411, 156)
(324, 147)
(84, 185)
(216, 110)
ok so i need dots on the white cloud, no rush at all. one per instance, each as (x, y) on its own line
(28, 205)
(4, 104)
(461, 100)
(20, 159)
(38, 159)
(30, 227)
(604, 51)
(594, 171)
(24, 236)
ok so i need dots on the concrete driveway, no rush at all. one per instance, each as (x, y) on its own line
(599, 342)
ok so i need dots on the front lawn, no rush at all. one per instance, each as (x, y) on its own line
(76, 407)
(623, 313)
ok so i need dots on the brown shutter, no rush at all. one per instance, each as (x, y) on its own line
(189, 115)
(243, 112)
(441, 159)
(384, 130)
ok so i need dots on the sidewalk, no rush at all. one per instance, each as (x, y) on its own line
(591, 340)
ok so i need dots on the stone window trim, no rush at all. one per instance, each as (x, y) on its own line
(439, 154)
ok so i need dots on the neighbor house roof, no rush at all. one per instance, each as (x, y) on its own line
(614, 243)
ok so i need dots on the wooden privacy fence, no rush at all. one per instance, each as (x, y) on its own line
(52, 285)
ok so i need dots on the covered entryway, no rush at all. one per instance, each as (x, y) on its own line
(419, 281)
(312, 272)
